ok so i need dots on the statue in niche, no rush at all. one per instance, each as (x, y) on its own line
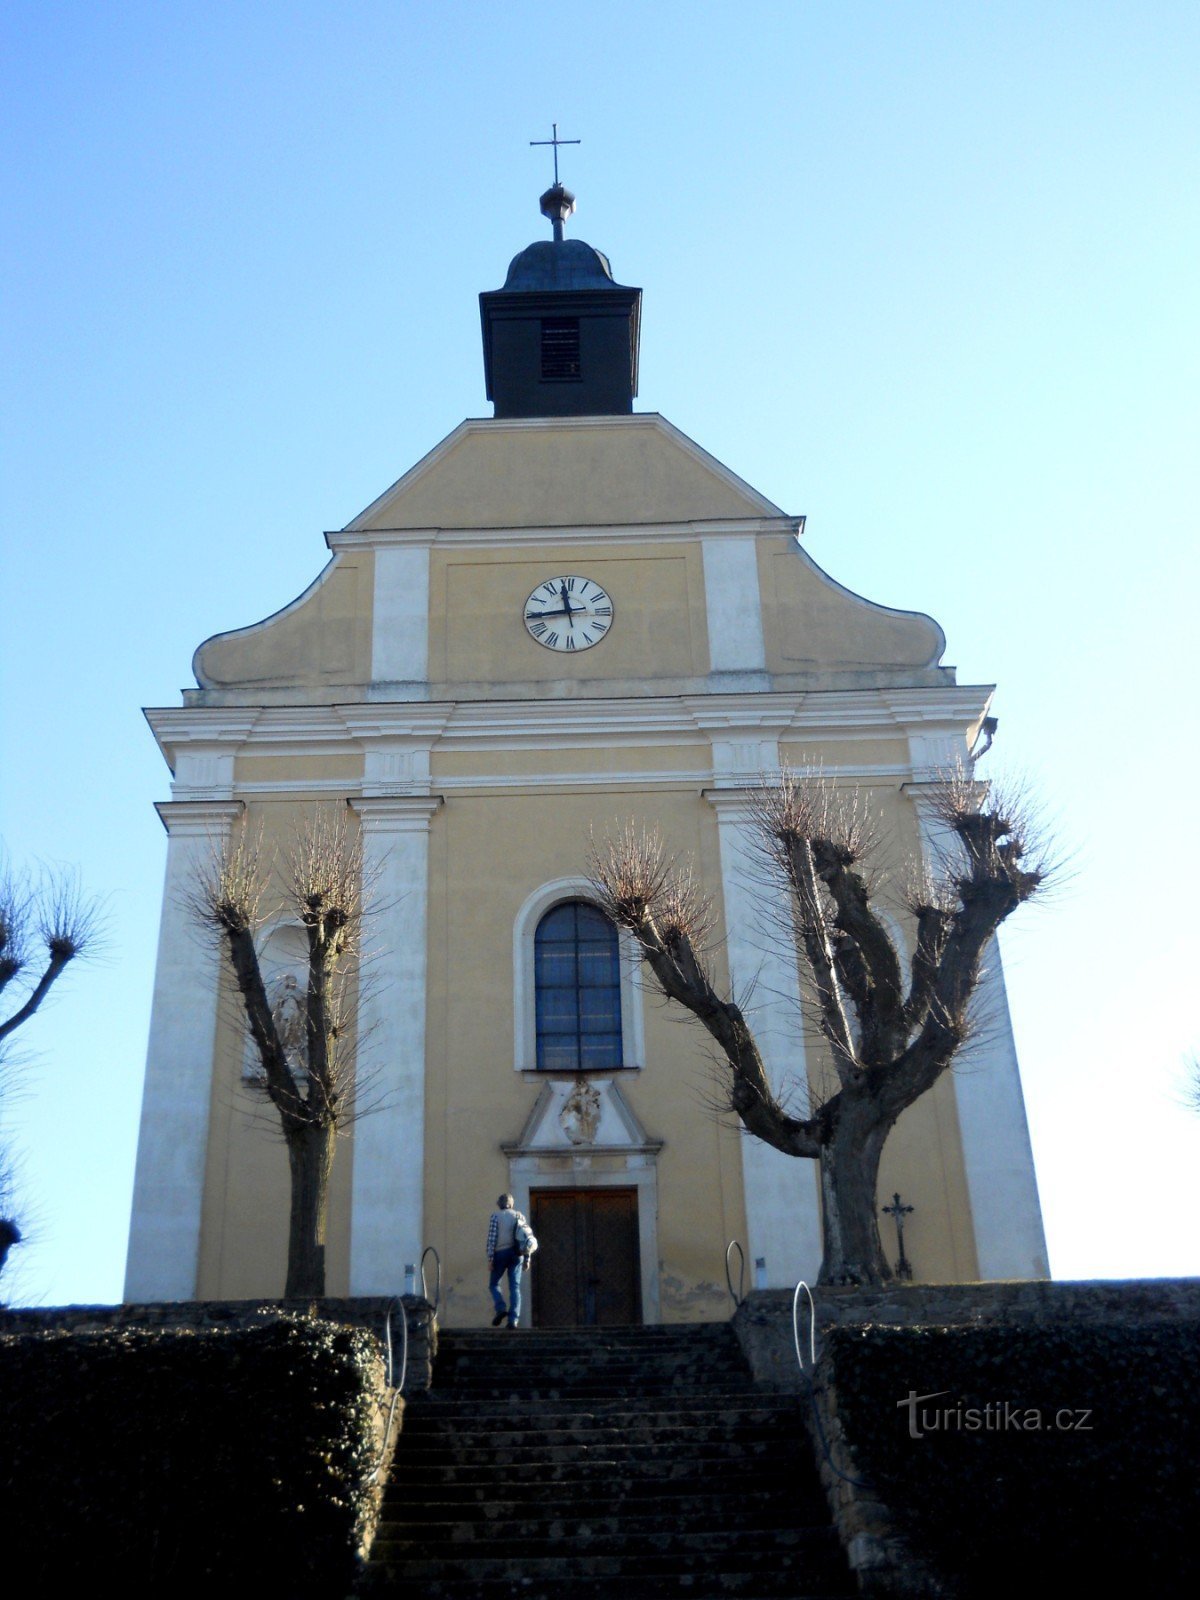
(580, 1115)
(291, 1024)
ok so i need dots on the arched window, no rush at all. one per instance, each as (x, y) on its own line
(577, 977)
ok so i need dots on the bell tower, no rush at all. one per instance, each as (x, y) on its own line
(560, 339)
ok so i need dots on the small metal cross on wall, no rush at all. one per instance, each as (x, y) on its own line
(899, 1212)
(555, 141)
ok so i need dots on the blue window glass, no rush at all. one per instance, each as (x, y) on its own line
(577, 976)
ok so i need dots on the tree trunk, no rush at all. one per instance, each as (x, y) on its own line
(310, 1156)
(849, 1206)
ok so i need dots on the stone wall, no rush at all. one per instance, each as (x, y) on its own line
(883, 1558)
(764, 1320)
(369, 1313)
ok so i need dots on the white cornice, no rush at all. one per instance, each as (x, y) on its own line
(422, 720)
(397, 813)
(203, 818)
(618, 533)
(481, 724)
(550, 780)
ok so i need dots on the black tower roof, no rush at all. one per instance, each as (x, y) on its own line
(561, 337)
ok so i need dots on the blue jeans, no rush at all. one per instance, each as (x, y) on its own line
(506, 1261)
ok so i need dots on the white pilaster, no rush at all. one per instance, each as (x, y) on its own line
(733, 605)
(783, 1218)
(387, 1220)
(400, 629)
(997, 1154)
(168, 1188)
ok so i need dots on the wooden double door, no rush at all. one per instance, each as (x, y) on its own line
(587, 1270)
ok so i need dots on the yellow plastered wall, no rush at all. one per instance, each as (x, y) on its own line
(244, 1226)
(810, 621)
(489, 853)
(477, 605)
(322, 640)
(555, 474)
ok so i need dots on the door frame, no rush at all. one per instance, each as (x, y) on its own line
(526, 1176)
(627, 1189)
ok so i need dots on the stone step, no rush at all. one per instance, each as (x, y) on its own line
(616, 1453)
(450, 1480)
(779, 1424)
(811, 1555)
(527, 1444)
(619, 1333)
(635, 1381)
(520, 1352)
(580, 1526)
(584, 1500)
(594, 1420)
(452, 1407)
(628, 1464)
(384, 1580)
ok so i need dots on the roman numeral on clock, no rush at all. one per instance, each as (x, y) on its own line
(567, 613)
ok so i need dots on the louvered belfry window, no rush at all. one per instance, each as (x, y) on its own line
(560, 350)
(578, 986)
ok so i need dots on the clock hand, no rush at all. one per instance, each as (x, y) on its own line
(566, 600)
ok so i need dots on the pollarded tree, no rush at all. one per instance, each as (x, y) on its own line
(889, 1035)
(302, 1038)
(45, 925)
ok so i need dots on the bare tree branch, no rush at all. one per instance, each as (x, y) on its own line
(662, 908)
(323, 876)
(816, 841)
(68, 924)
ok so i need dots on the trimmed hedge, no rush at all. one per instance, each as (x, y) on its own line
(162, 1457)
(1108, 1500)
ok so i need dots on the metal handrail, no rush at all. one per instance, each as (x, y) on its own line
(437, 1293)
(812, 1327)
(739, 1296)
(807, 1374)
(397, 1388)
(396, 1300)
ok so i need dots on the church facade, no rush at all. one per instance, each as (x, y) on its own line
(566, 617)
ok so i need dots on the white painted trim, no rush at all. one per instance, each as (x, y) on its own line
(534, 908)
(719, 530)
(541, 782)
(388, 1183)
(783, 1217)
(1010, 1241)
(733, 606)
(943, 710)
(168, 1187)
(400, 616)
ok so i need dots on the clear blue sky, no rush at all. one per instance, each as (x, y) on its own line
(925, 272)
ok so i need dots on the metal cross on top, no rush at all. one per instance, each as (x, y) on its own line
(555, 141)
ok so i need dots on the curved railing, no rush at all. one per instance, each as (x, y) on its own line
(437, 1292)
(738, 1295)
(807, 1374)
(394, 1383)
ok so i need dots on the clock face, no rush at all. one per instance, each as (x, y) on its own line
(569, 613)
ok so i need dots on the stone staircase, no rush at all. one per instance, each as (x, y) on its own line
(575, 1464)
